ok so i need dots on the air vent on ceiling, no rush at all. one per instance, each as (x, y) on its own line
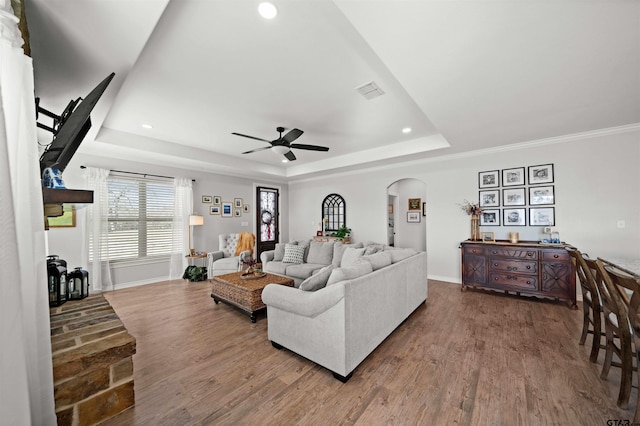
(370, 90)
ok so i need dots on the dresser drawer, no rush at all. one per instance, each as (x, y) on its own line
(556, 255)
(517, 266)
(514, 252)
(513, 282)
(474, 250)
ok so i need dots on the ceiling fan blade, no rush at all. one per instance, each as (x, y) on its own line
(289, 155)
(309, 147)
(292, 135)
(250, 137)
(257, 149)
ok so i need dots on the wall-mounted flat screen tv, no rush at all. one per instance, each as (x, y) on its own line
(71, 128)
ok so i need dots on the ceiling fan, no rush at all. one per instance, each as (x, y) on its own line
(283, 144)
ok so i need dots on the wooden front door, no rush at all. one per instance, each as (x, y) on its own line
(267, 200)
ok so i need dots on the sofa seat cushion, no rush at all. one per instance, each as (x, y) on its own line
(320, 252)
(301, 270)
(278, 268)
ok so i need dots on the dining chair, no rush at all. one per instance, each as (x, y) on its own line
(630, 294)
(617, 330)
(591, 304)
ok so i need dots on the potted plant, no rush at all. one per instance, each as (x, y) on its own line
(343, 234)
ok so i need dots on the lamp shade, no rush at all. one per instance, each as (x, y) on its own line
(196, 220)
(280, 149)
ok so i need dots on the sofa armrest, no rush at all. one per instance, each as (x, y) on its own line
(215, 255)
(305, 303)
(267, 256)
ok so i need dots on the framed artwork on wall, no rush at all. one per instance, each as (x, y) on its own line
(514, 217)
(237, 212)
(227, 209)
(490, 179)
(490, 217)
(413, 217)
(67, 220)
(490, 198)
(206, 199)
(214, 209)
(539, 195)
(541, 174)
(542, 216)
(217, 200)
(245, 208)
(513, 177)
(513, 197)
(414, 203)
(237, 203)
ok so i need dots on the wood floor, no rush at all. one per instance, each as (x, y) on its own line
(471, 358)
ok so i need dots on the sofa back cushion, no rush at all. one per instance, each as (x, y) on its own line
(320, 252)
(338, 251)
(350, 256)
(317, 280)
(350, 272)
(400, 254)
(378, 260)
(293, 254)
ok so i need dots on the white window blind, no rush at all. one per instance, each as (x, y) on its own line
(140, 219)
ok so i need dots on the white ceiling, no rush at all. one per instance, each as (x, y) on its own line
(464, 75)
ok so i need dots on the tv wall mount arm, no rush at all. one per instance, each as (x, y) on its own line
(58, 120)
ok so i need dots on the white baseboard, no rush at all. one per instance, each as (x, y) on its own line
(453, 280)
(139, 283)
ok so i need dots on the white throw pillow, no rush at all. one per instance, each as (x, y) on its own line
(317, 280)
(350, 255)
(293, 254)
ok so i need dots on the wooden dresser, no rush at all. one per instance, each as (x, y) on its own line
(525, 268)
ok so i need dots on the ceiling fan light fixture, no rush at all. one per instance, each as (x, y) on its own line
(267, 10)
(280, 149)
(406, 130)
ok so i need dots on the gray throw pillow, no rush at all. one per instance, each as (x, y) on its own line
(400, 254)
(320, 253)
(317, 280)
(350, 255)
(378, 260)
(349, 273)
(338, 251)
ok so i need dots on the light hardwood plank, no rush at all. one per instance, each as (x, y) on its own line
(466, 358)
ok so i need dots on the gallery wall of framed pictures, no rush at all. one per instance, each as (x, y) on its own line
(518, 196)
(225, 208)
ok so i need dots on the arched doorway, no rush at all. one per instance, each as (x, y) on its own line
(406, 225)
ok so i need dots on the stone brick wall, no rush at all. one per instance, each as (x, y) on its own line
(92, 362)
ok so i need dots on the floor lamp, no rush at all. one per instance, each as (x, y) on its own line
(194, 220)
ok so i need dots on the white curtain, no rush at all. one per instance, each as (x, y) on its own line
(183, 206)
(26, 377)
(96, 229)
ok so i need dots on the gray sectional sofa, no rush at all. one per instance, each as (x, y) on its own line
(348, 308)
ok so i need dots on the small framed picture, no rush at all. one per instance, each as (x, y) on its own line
(513, 177)
(424, 209)
(214, 209)
(245, 208)
(541, 195)
(237, 203)
(541, 174)
(513, 197)
(413, 217)
(227, 209)
(217, 200)
(488, 237)
(542, 216)
(490, 198)
(514, 217)
(414, 203)
(237, 212)
(318, 233)
(490, 179)
(206, 199)
(490, 217)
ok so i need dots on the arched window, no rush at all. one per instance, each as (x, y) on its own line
(334, 212)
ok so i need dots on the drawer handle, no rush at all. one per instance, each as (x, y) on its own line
(555, 256)
(528, 282)
(494, 252)
(528, 266)
(529, 254)
(511, 268)
(495, 264)
(512, 277)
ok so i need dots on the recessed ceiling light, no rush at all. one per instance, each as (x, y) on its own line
(147, 126)
(406, 130)
(284, 160)
(267, 10)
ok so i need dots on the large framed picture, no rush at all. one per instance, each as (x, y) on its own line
(490, 198)
(490, 217)
(541, 195)
(542, 216)
(490, 179)
(513, 197)
(227, 209)
(513, 177)
(541, 174)
(514, 217)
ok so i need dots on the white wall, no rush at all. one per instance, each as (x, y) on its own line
(67, 242)
(408, 234)
(597, 183)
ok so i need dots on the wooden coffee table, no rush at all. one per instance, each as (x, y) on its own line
(245, 294)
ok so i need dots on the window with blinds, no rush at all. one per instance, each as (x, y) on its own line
(140, 219)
